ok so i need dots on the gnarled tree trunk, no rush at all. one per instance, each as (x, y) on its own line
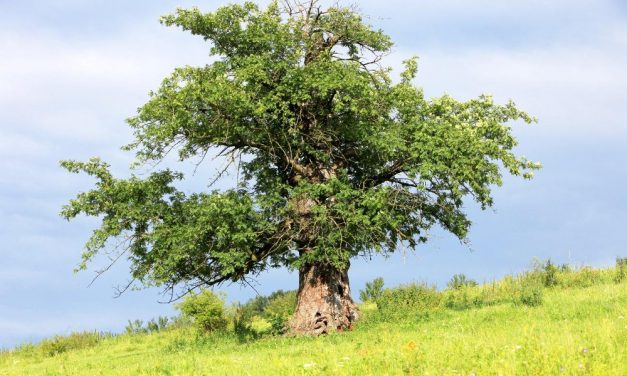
(324, 301)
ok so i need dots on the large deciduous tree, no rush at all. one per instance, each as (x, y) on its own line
(338, 159)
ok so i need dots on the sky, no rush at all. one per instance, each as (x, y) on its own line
(71, 71)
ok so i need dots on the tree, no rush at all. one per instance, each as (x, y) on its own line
(338, 160)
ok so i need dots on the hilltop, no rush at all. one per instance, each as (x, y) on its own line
(578, 325)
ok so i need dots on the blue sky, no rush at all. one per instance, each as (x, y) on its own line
(71, 71)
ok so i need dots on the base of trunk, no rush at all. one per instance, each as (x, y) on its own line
(324, 301)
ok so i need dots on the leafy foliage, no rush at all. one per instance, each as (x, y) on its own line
(275, 310)
(338, 160)
(280, 303)
(547, 272)
(460, 280)
(154, 325)
(530, 293)
(409, 301)
(621, 269)
(373, 290)
(206, 310)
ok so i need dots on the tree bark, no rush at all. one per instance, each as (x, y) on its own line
(324, 301)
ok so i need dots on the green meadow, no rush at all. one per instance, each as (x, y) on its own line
(577, 325)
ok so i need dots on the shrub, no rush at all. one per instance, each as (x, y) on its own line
(413, 299)
(463, 297)
(583, 277)
(565, 268)
(373, 290)
(60, 344)
(263, 314)
(280, 308)
(242, 320)
(134, 327)
(180, 322)
(530, 291)
(460, 280)
(152, 326)
(278, 325)
(498, 292)
(260, 325)
(525, 289)
(254, 307)
(206, 311)
(280, 303)
(621, 269)
(550, 274)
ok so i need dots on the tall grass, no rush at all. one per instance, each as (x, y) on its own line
(591, 321)
(61, 344)
(419, 300)
(575, 331)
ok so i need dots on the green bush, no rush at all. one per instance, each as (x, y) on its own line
(281, 307)
(206, 311)
(280, 304)
(152, 326)
(180, 322)
(263, 315)
(242, 320)
(621, 269)
(525, 289)
(278, 325)
(414, 299)
(460, 280)
(497, 292)
(60, 344)
(565, 276)
(550, 274)
(254, 307)
(134, 327)
(583, 277)
(463, 297)
(373, 290)
(530, 291)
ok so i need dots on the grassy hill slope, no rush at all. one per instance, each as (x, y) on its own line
(575, 331)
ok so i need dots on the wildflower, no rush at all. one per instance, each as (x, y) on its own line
(309, 365)
(585, 350)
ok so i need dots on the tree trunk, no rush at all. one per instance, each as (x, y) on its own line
(324, 301)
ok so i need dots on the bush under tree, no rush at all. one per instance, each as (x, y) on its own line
(206, 311)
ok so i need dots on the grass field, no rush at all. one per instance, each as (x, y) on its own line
(575, 331)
